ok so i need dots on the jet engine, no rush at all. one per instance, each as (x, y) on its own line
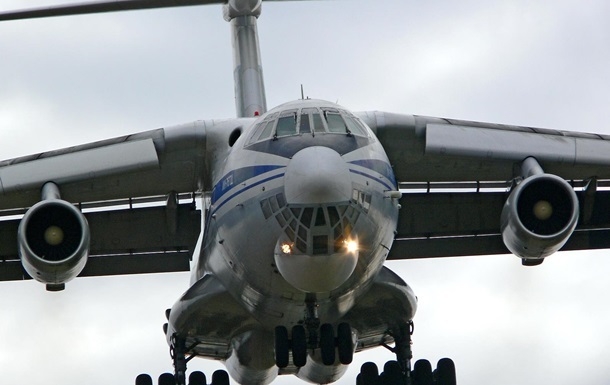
(539, 217)
(53, 240)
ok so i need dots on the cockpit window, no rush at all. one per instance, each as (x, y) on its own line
(335, 122)
(267, 131)
(309, 120)
(318, 126)
(263, 130)
(305, 125)
(286, 124)
(354, 127)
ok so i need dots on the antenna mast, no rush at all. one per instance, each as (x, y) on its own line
(250, 97)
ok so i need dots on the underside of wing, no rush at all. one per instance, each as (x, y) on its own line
(472, 188)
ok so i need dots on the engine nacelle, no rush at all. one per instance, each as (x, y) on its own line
(53, 240)
(539, 216)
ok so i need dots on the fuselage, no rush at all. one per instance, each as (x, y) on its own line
(303, 207)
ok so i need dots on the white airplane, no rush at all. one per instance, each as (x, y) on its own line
(337, 217)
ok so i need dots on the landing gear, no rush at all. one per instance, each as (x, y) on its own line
(220, 377)
(399, 372)
(421, 374)
(179, 352)
(310, 335)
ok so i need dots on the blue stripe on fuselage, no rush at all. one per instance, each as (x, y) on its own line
(242, 175)
(371, 177)
(379, 166)
(239, 176)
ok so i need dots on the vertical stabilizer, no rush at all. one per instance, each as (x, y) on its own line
(248, 72)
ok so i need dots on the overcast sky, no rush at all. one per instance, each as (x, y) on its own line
(73, 80)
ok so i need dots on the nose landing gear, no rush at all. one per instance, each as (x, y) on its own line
(310, 336)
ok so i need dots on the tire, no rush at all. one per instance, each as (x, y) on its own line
(445, 372)
(359, 379)
(220, 377)
(392, 373)
(144, 379)
(167, 379)
(299, 346)
(197, 378)
(281, 347)
(327, 344)
(345, 345)
(422, 373)
(369, 374)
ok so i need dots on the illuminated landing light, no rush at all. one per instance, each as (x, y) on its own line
(53, 235)
(351, 246)
(543, 210)
(286, 248)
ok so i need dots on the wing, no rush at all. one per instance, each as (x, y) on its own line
(457, 177)
(136, 192)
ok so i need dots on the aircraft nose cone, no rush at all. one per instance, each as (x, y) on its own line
(317, 175)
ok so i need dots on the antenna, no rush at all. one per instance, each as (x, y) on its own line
(302, 95)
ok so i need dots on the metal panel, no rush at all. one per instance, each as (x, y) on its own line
(86, 164)
(136, 264)
(144, 229)
(494, 144)
(449, 214)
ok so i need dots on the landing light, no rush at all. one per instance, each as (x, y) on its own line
(286, 248)
(351, 246)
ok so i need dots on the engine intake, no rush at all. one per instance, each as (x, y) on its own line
(539, 216)
(53, 240)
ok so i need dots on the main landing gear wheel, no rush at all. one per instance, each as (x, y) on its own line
(178, 351)
(220, 377)
(399, 372)
(445, 372)
(197, 378)
(420, 375)
(167, 379)
(144, 379)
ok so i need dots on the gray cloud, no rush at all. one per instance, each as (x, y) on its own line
(74, 80)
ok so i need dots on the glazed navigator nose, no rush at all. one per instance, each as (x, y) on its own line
(317, 175)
